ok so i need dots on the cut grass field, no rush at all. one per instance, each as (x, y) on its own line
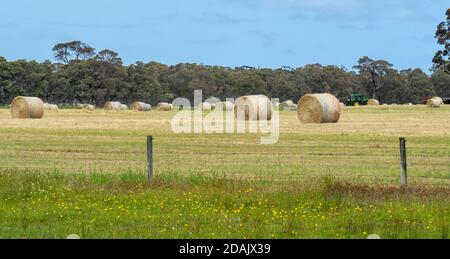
(84, 173)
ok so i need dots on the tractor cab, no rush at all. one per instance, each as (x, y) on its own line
(357, 100)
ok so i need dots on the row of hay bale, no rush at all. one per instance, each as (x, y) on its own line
(434, 102)
(137, 107)
(312, 108)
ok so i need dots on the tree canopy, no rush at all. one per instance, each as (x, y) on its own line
(82, 75)
(442, 58)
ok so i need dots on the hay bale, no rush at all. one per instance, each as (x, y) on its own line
(27, 108)
(141, 107)
(373, 102)
(319, 108)
(253, 107)
(288, 103)
(225, 106)
(439, 100)
(123, 107)
(113, 106)
(434, 103)
(88, 107)
(164, 107)
(287, 106)
(51, 107)
(342, 105)
(205, 107)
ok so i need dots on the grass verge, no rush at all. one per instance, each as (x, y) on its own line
(54, 205)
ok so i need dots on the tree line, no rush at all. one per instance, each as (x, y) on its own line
(82, 75)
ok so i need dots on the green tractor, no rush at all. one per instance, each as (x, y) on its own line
(357, 100)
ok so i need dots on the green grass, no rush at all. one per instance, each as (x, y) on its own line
(54, 205)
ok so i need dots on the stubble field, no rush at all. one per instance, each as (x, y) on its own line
(84, 173)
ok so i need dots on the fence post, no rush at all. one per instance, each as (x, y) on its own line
(150, 158)
(404, 171)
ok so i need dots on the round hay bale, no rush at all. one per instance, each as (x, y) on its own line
(253, 107)
(373, 102)
(164, 107)
(51, 107)
(205, 107)
(439, 100)
(434, 103)
(54, 107)
(319, 108)
(287, 106)
(141, 107)
(27, 108)
(89, 107)
(113, 106)
(213, 102)
(342, 105)
(288, 103)
(225, 106)
(86, 107)
(123, 107)
(80, 106)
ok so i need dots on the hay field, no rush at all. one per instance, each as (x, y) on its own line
(84, 173)
(362, 147)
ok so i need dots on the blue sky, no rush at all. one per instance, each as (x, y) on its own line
(260, 33)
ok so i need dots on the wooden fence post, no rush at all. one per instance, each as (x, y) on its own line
(150, 158)
(404, 171)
